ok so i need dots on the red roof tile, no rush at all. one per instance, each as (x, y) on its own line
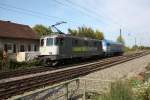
(14, 30)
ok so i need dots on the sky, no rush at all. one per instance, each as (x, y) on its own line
(108, 16)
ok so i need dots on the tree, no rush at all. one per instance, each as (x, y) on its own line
(42, 30)
(99, 35)
(120, 39)
(86, 32)
(73, 32)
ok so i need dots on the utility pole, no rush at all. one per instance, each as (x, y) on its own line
(120, 32)
(135, 41)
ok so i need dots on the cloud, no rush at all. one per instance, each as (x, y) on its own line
(133, 16)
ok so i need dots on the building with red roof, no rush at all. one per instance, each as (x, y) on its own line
(17, 37)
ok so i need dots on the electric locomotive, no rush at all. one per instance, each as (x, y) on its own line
(61, 47)
(111, 48)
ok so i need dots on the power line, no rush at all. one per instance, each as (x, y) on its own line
(18, 11)
(89, 12)
(80, 10)
(12, 10)
(98, 14)
(33, 13)
(92, 11)
(39, 14)
(29, 12)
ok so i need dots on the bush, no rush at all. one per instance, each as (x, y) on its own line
(127, 49)
(134, 81)
(118, 91)
(16, 65)
(1, 54)
(142, 91)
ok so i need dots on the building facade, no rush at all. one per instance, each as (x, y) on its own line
(17, 38)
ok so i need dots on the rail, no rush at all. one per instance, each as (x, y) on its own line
(9, 89)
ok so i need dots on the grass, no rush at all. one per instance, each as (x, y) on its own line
(132, 89)
(17, 65)
(14, 65)
(118, 91)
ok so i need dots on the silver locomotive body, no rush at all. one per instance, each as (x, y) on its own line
(59, 47)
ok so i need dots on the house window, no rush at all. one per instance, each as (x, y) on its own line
(29, 47)
(9, 48)
(14, 48)
(5, 47)
(22, 49)
(35, 48)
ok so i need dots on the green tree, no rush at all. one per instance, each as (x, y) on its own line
(86, 32)
(42, 30)
(99, 35)
(120, 39)
(73, 32)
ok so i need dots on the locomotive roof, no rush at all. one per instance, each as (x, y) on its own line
(112, 42)
(68, 35)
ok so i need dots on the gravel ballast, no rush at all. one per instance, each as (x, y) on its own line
(99, 81)
(125, 70)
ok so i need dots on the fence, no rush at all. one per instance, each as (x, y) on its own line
(68, 90)
(26, 56)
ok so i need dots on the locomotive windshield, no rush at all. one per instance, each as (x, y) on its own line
(49, 41)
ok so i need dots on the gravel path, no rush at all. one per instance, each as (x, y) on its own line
(124, 70)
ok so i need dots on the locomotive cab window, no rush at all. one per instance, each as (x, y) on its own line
(59, 41)
(49, 41)
(42, 42)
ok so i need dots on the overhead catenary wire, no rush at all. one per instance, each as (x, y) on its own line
(49, 17)
(32, 13)
(39, 14)
(8, 9)
(92, 12)
(88, 12)
(82, 11)
(101, 14)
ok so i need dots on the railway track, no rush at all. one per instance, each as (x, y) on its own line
(8, 89)
(16, 73)
(34, 70)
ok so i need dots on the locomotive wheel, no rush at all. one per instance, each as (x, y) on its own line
(51, 63)
(54, 63)
(46, 62)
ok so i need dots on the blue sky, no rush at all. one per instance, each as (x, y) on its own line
(133, 16)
